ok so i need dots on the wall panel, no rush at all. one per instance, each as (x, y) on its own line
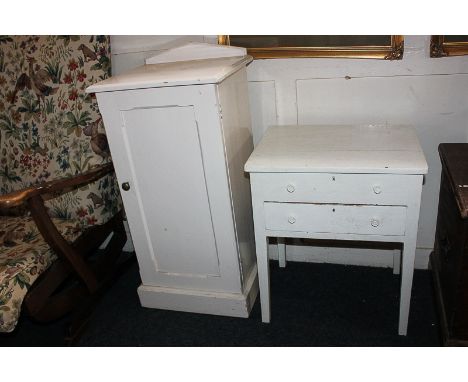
(262, 96)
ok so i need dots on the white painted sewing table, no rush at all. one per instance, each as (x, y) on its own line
(337, 182)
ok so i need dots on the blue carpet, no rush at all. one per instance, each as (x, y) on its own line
(312, 305)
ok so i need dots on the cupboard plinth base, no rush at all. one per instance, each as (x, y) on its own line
(197, 301)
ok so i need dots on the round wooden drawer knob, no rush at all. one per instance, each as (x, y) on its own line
(291, 220)
(377, 189)
(375, 222)
(290, 188)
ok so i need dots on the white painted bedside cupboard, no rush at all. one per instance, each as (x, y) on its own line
(179, 133)
(337, 182)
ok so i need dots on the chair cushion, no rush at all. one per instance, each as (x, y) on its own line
(24, 256)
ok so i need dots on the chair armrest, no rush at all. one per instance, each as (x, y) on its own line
(59, 186)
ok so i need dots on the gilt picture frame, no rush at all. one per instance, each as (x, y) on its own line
(389, 47)
(444, 46)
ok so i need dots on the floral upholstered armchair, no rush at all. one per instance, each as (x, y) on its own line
(58, 196)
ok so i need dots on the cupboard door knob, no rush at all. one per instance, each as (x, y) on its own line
(125, 186)
(291, 220)
(290, 188)
(377, 189)
(375, 222)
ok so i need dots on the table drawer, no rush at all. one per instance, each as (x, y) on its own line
(336, 188)
(335, 218)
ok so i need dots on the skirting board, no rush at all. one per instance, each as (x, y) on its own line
(196, 301)
(347, 256)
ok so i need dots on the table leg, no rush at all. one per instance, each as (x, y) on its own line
(407, 270)
(261, 243)
(408, 255)
(281, 251)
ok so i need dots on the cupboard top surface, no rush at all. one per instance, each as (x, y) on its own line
(193, 72)
(343, 149)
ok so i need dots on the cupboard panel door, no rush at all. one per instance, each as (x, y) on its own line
(168, 178)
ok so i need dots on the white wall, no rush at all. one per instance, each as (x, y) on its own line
(430, 94)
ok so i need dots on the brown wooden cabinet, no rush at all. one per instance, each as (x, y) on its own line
(449, 260)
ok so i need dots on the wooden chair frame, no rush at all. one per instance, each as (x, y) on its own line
(76, 279)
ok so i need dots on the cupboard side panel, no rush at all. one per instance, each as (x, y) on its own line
(238, 143)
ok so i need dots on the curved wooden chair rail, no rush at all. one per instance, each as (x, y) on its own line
(54, 187)
(48, 299)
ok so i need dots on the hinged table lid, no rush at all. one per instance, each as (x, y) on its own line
(339, 149)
